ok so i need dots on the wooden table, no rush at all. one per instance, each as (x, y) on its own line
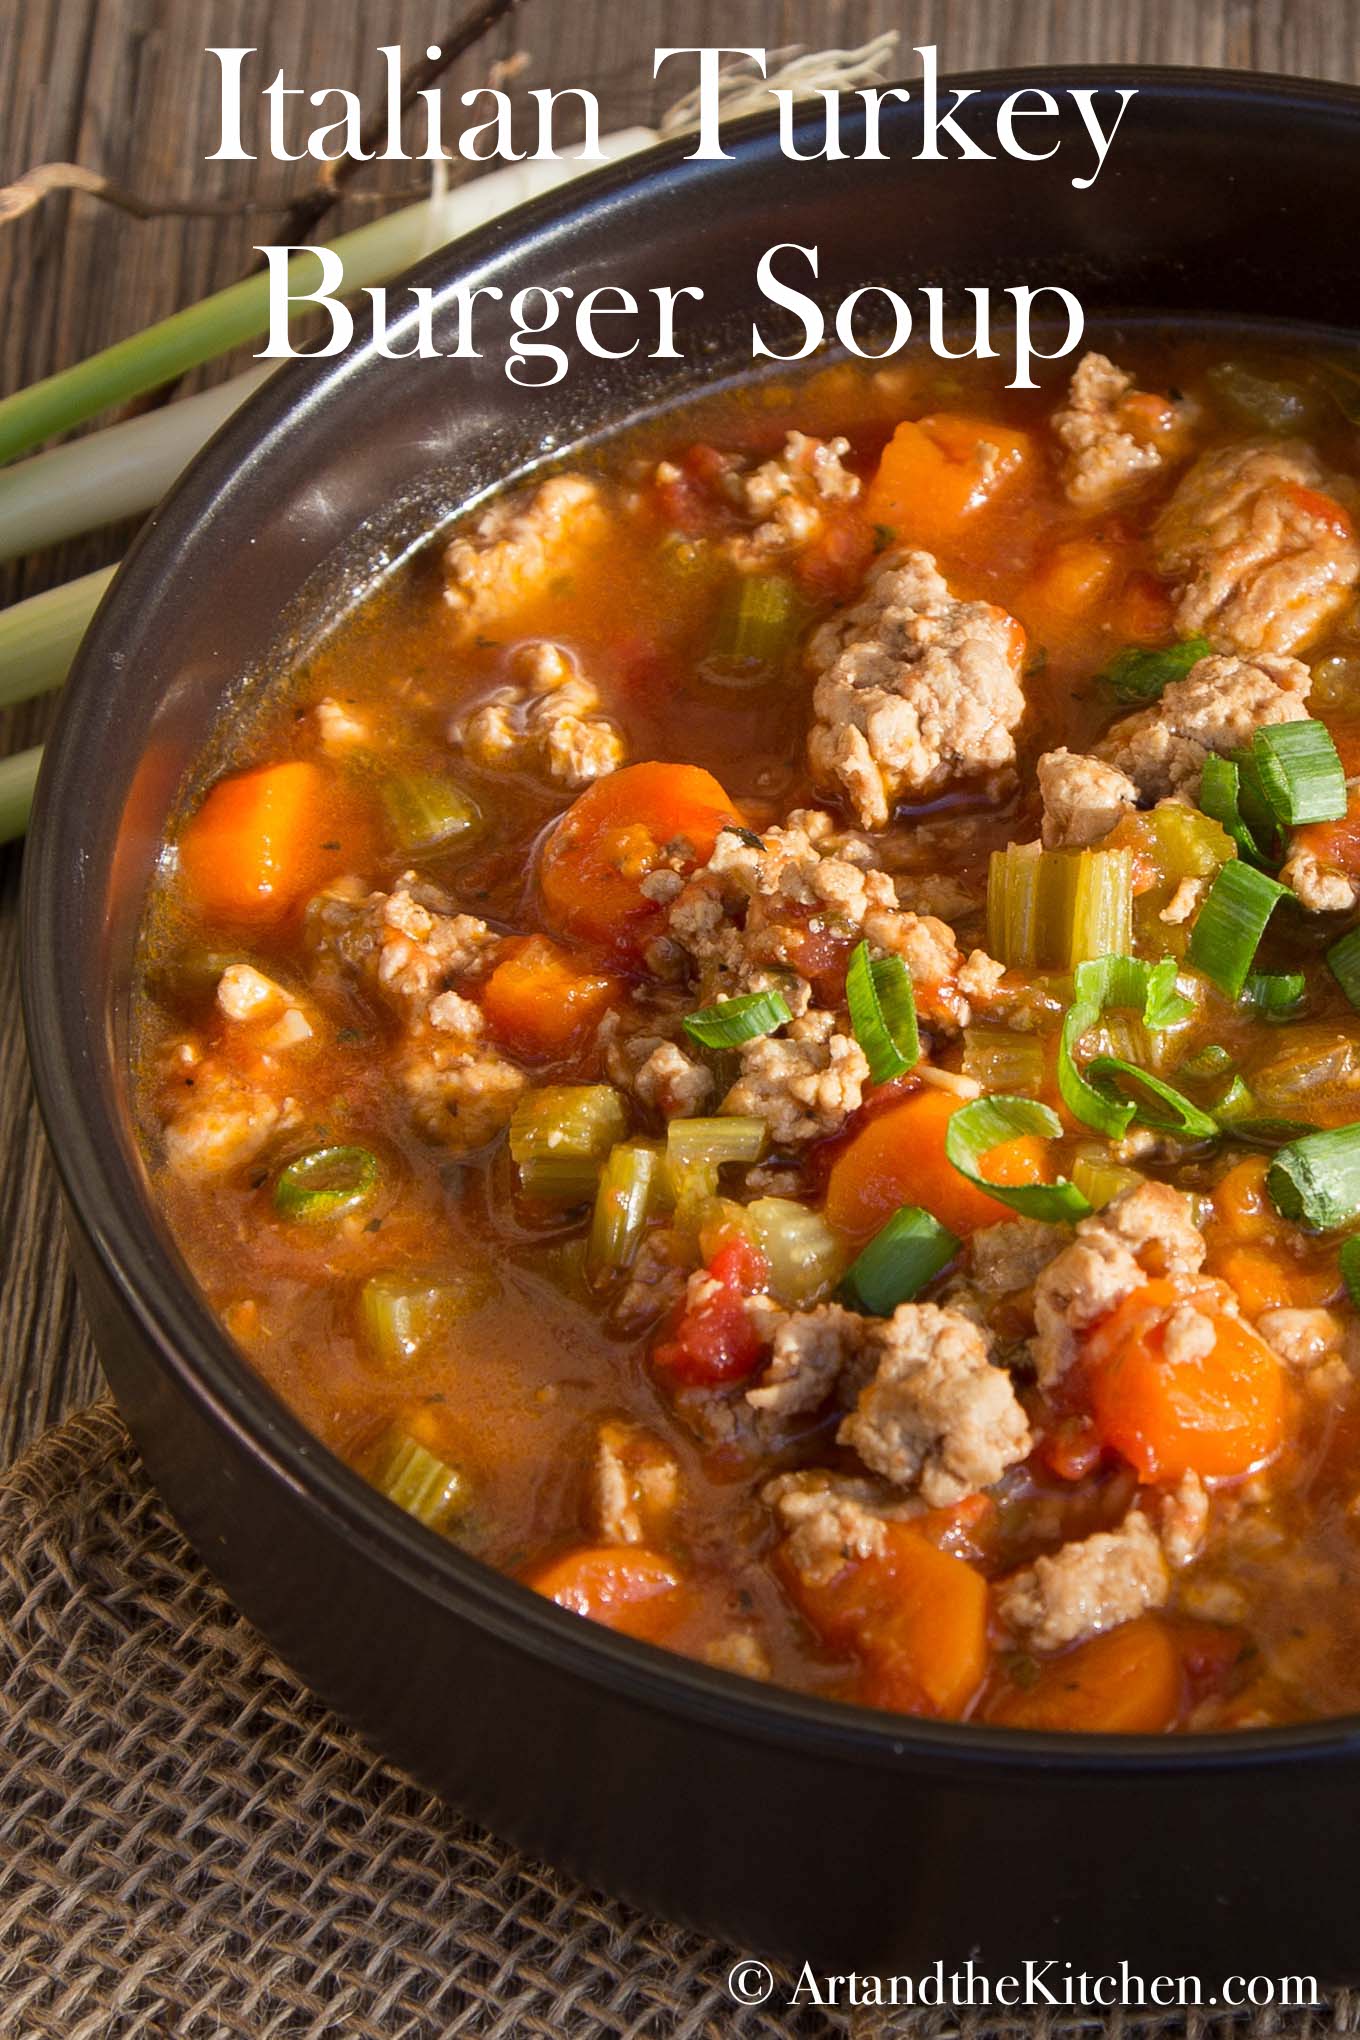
(123, 86)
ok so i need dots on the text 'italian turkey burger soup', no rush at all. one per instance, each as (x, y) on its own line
(747, 1035)
(766, 1037)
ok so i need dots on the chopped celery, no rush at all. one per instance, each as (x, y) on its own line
(1001, 1060)
(806, 1258)
(1312, 1058)
(428, 812)
(622, 1202)
(1099, 1179)
(402, 1312)
(326, 1183)
(1054, 909)
(692, 1187)
(1186, 843)
(560, 1136)
(691, 1142)
(757, 626)
(419, 1481)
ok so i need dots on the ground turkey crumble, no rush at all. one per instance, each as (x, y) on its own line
(1263, 552)
(1087, 1587)
(741, 923)
(804, 1083)
(515, 549)
(1083, 799)
(1148, 1230)
(915, 691)
(548, 718)
(1216, 707)
(635, 1484)
(226, 1105)
(788, 496)
(1114, 438)
(410, 948)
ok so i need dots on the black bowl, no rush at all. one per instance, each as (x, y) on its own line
(785, 1824)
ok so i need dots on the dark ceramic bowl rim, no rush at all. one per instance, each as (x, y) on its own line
(76, 1078)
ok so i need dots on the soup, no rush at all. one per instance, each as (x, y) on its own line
(764, 1037)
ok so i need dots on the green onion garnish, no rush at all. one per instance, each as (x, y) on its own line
(900, 1259)
(974, 1130)
(1209, 1061)
(1316, 1180)
(1267, 1133)
(1138, 675)
(330, 1182)
(1155, 1104)
(1301, 774)
(1275, 995)
(883, 1013)
(744, 1018)
(1349, 1258)
(1113, 981)
(1343, 961)
(1219, 798)
(1229, 926)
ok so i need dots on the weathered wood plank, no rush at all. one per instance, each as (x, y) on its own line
(123, 86)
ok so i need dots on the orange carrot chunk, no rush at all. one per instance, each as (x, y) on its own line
(593, 864)
(539, 1000)
(263, 840)
(898, 1158)
(626, 1587)
(1170, 1407)
(1127, 1682)
(915, 1616)
(936, 473)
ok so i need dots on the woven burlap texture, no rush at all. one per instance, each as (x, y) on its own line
(192, 1847)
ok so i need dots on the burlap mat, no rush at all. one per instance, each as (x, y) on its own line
(192, 1847)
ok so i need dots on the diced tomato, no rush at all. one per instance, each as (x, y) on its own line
(714, 1340)
(690, 493)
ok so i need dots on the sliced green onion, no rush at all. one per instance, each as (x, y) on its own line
(1219, 792)
(1236, 1103)
(1316, 1180)
(1209, 1061)
(1349, 1259)
(1229, 926)
(1000, 1060)
(1268, 1134)
(1137, 675)
(1301, 774)
(428, 812)
(1257, 813)
(1100, 1180)
(1156, 1104)
(1343, 961)
(560, 1136)
(974, 1130)
(883, 1013)
(1275, 995)
(419, 1481)
(757, 627)
(328, 1183)
(804, 1255)
(744, 1018)
(622, 1203)
(901, 1258)
(1119, 981)
(696, 1143)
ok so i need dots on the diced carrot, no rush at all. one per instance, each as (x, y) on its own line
(1142, 613)
(937, 472)
(626, 1587)
(898, 1158)
(593, 864)
(1241, 1205)
(1266, 1278)
(1127, 1682)
(265, 839)
(1169, 1413)
(915, 1616)
(1068, 586)
(539, 999)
